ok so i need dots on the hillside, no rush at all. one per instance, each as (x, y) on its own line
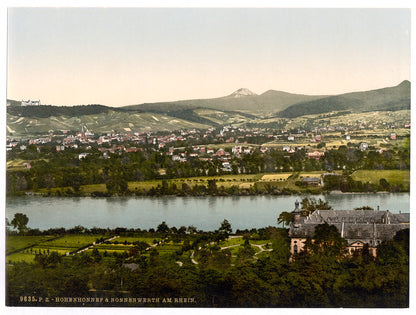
(241, 100)
(45, 111)
(100, 122)
(242, 107)
(391, 98)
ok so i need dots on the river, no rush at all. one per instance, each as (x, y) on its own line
(205, 213)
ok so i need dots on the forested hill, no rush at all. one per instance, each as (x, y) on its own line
(391, 98)
(45, 111)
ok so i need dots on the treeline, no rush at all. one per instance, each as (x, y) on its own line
(319, 278)
(45, 111)
(345, 183)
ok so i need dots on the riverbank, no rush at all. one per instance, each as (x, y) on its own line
(245, 185)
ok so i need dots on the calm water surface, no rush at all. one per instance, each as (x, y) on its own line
(205, 213)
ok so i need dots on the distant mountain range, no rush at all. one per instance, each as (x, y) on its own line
(241, 100)
(391, 98)
(242, 106)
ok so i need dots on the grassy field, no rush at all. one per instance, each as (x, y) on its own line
(232, 242)
(47, 249)
(394, 177)
(113, 247)
(16, 164)
(74, 241)
(20, 257)
(24, 248)
(224, 180)
(167, 249)
(16, 243)
(275, 177)
(131, 239)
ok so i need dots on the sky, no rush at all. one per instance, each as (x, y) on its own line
(125, 56)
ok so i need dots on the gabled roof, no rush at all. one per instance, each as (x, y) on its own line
(353, 225)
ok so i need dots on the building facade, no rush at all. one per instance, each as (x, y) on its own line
(357, 227)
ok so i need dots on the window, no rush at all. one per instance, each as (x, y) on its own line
(295, 249)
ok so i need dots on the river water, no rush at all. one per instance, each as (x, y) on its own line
(205, 213)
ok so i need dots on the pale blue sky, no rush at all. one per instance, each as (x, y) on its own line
(134, 55)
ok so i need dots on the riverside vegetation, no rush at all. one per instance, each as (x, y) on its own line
(249, 268)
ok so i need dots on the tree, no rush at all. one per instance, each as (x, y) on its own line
(212, 186)
(162, 228)
(384, 184)
(309, 205)
(245, 252)
(154, 258)
(225, 228)
(20, 221)
(8, 225)
(285, 218)
(328, 241)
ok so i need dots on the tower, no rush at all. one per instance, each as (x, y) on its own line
(82, 133)
(296, 213)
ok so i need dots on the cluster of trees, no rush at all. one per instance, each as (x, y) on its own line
(345, 183)
(307, 206)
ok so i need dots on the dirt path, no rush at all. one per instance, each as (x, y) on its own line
(93, 244)
(261, 248)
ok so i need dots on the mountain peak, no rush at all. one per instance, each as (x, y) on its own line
(243, 92)
(405, 83)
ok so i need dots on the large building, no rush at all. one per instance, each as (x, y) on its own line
(357, 227)
(30, 103)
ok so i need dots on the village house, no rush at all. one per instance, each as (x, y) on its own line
(82, 155)
(315, 154)
(247, 150)
(220, 152)
(357, 227)
(311, 181)
(132, 149)
(226, 167)
(237, 150)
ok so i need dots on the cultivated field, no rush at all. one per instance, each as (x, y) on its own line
(24, 248)
(18, 243)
